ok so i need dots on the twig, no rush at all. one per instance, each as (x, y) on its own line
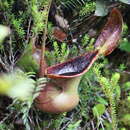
(3, 65)
(93, 128)
(28, 30)
(8, 115)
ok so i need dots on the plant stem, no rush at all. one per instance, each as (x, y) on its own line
(42, 59)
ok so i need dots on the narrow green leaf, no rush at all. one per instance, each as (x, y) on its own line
(98, 110)
(125, 46)
(126, 119)
(102, 101)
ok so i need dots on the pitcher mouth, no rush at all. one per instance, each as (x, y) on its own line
(73, 67)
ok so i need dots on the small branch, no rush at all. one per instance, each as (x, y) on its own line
(42, 59)
(28, 30)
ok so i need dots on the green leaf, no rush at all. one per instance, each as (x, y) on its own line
(126, 119)
(101, 8)
(125, 1)
(102, 101)
(127, 85)
(74, 125)
(98, 110)
(125, 46)
(27, 61)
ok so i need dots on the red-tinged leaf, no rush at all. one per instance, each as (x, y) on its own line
(59, 34)
(73, 67)
(111, 33)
